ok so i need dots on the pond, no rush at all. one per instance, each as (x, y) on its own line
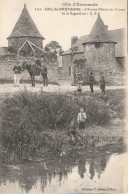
(82, 172)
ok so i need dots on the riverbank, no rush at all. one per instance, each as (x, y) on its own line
(36, 125)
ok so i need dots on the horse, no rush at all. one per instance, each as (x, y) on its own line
(36, 70)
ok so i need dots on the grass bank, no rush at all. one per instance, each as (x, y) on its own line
(35, 125)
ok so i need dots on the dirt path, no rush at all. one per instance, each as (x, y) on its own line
(9, 89)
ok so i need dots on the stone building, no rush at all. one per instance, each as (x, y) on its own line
(25, 39)
(24, 43)
(100, 52)
(25, 29)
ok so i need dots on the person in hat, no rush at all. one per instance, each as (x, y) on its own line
(102, 85)
(17, 72)
(91, 81)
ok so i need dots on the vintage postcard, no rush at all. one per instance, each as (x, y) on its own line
(63, 97)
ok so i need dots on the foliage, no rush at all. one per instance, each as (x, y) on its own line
(27, 116)
(116, 101)
(52, 49)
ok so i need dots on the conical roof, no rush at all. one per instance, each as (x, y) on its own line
(25, 26)
(99, 32)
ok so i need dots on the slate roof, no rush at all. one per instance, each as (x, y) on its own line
(25, 26)
(100, 33)
(117, 36)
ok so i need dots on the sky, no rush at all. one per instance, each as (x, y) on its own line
(55, 26)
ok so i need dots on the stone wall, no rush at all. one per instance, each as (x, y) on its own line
(6, 71)
(53, 72)
(64, 72)
(100, 59)
(17, 42)
(66, 64)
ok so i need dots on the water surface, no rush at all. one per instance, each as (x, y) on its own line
(83, 173)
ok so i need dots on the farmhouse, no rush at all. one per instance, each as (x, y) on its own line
(100, 52)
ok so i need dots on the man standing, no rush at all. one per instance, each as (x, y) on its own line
(91, 81)
(17, 72)
(102, 85)
(45, 76)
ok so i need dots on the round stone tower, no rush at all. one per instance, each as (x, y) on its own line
(99, 50)
(25, 29)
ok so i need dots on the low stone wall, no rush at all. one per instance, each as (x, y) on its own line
(7, 74)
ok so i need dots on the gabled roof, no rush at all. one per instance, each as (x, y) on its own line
(25, 26)
(77, 44)
(116, 35)
(32, 45)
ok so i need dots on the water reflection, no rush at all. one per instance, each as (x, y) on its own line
(30, 174)
(100, 164)
(82, 167)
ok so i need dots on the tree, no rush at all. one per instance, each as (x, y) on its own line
(52, 49)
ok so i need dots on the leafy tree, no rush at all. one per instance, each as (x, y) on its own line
(53, 48)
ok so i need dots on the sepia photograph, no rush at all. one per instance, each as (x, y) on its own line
(63, 97)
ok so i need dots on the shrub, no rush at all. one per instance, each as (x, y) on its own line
(26, 114)
(42, 111)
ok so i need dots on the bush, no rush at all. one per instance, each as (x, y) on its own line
(116, 100)
(27, 114)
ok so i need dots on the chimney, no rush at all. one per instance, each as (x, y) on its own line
(73, 39)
